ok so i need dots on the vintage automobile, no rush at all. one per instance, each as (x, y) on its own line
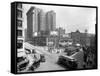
(21, 61)
(67, 62)
(24, 57)
(22, 65)
(42, 59)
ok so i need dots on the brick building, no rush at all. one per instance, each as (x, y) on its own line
(81, 38)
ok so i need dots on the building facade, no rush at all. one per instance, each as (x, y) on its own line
(81, 38)
(42, 22)
(20, 32)
(51, 20)
(33, 22)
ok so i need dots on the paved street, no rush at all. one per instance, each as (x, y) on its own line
(50, 64)
(51, 59)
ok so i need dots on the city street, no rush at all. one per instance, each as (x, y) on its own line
(52, 57)
(50, 63)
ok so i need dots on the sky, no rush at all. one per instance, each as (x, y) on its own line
(69, 18)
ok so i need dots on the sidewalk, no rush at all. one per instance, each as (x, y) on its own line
(38, 48)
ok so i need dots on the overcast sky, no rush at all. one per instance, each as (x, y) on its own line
(69, 18)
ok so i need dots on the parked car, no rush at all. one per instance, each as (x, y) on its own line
(42, 58)
(67, 62)
(22, 63)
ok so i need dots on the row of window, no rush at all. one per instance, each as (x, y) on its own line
(19, 15)
(19, 41)
(19, 34)
(19, 24)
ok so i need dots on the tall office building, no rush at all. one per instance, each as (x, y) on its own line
(42, 22)
(51, 20)
(32, 21)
